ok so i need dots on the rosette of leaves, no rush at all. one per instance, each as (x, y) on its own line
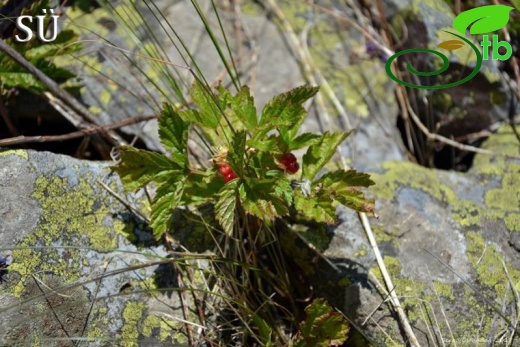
(250, 144)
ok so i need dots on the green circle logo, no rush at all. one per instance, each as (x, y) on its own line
(445, 65)
(484, 19)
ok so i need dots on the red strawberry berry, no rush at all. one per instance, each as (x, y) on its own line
(230, 176)
(227, 172)
(287, 159)
(293, 167)
(225, 169)
(289, 162)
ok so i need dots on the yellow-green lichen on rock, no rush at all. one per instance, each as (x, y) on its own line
(169, 329)
(71, 220)
(132, 315)
(498, 203)
(399, 174)
(19, 152)
(480, 209)
(490, 264)
(502, 202)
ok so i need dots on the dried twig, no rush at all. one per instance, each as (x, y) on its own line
(405, 105)
(388, 281)
(84, 132)
(124, 202)
(83, 116)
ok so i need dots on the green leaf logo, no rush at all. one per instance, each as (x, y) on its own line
(485, 19)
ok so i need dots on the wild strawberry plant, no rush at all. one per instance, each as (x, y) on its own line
(253, 180)
(252, 167)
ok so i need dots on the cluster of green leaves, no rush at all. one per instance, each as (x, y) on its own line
(251, 146)
(322, 327)
(39, 54)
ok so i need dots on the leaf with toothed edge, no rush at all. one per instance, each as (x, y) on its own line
(173, 132)
(266, 198)
(139, 167)
(322, 327)
(320, 153)
(164, 203)
(225, 206)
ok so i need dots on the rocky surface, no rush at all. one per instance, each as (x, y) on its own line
(447, 238)
(450, 242)
(73, 272)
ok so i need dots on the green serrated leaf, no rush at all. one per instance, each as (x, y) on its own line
(64, 39)
(60, 46)
(225, 206)
(282, 189)
(296, 96)
(318, 209)
(167, 198)
(266, 199)
(282, 116)
(237, 151)
(20, 79)
(202, 187)
(323, 327)
(209, 104)
(304, 140)
(285, 111)
(192, 116)
(138, 167)
(58, 74)
(341, 186)
(341, 181)
(269, 144)
(319, 154)
(357, 201)
(483, 19)
(243, 106)
(173, 132)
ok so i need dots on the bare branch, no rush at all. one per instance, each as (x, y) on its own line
(84, 132)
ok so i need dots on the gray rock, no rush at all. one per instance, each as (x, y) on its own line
(71, 272)
(443, 235)
(439, 231)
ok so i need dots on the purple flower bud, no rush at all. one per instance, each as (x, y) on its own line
(371, 48)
